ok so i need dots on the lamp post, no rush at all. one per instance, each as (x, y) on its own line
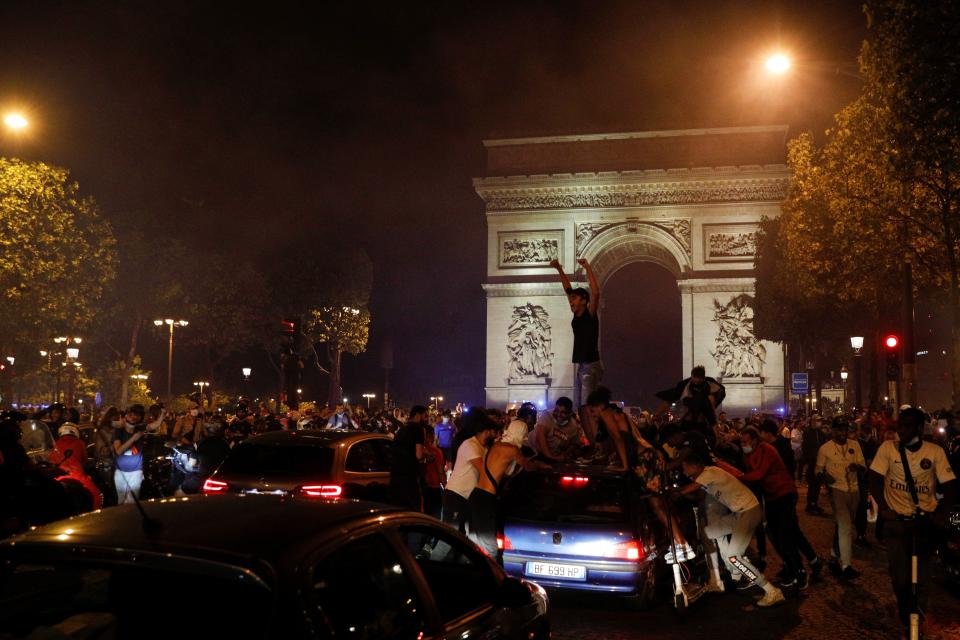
(856, 342)
(201, 384)
(170, 323)
(844, 374)
(436, 400)
(140, 378)
(72, 353)
(369, 397)
(246, 371)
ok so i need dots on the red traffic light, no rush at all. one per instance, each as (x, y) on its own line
(891, 341)
(288, 327)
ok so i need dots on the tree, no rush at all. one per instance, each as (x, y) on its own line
(342, 330)
(57, 256)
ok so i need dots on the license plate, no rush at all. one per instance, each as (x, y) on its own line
(558, 571)
(276, 492)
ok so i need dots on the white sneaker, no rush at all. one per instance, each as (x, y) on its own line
(771, 598)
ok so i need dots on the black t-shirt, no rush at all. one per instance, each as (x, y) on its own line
(586, 337)
(405, 463)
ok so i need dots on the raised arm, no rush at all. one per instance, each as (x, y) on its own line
(564, 280)
(594, 286)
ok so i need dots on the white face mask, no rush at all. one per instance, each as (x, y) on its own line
(748, 450)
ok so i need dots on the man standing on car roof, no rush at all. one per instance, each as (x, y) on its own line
(500, 461)
(586, 332)
(408, 455)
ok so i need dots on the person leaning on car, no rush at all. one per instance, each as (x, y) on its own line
(408, 455)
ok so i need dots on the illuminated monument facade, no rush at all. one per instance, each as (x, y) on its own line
(689, 201)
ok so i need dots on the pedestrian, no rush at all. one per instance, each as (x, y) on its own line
(446, 431)
(408, 456)
(813, 439)
(868, 445)
(699, 396)
(468, 464)
(904, 480)
(188, 426)
(733, 530)
(779, 492)
(796, 445)
(770, 433)
(586, 331)
(434, 475)
(501, 460)
(129, 455)
(103, 454)
(840, 463)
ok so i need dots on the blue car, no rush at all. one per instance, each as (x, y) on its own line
(582, 529)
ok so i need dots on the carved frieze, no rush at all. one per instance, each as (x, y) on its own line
(729, 242)
(737, 351)
(635, 195)
(529, 249)
(529, 343)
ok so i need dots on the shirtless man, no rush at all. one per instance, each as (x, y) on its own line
(502, 460)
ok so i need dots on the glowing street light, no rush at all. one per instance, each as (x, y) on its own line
(201, 384)
(778, 64)
(369, 397)
(15, 121)
(246, 372)
(170, 322)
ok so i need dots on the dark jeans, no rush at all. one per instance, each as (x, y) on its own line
(456, 510)
(433, 501)
(405, 493)
(484, 524)
(898, 536)
(813, 484)
(784, 530)
(861, 520)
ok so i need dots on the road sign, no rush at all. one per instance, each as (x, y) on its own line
(800, 382)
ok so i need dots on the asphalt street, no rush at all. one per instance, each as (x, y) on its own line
(863, 609)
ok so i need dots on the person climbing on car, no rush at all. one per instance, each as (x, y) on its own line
(699, 396)
(733, 530)
(502, 460)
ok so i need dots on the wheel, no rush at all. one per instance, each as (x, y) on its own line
(646, 594)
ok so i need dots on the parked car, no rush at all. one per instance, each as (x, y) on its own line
(316, 464)
(585, 529)
(253, 566)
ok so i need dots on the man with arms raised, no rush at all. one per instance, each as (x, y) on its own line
(586, 331)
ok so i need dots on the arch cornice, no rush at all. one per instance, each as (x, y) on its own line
(629, 242)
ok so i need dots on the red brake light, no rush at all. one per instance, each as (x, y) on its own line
(631, 550)
(574, 481)
(212, 486)
(321, 490)
(503, 542)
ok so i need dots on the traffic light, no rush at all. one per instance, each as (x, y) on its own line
(891, 345)
(288, 327)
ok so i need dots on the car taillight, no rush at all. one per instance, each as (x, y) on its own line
(574, 481)
(212, 486)
(321, 490)
(631, 550)
(503, 542)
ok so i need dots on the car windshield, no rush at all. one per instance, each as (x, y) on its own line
(271, 461)
(548, 497)
(111, 601)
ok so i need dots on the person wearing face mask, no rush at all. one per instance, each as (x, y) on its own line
(840, 464)
(500, 461)
(557, 435)
(905, 478)
(468, 465)
(129, 457)
(188, 426)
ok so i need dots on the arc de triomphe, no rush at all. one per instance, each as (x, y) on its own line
(688, 200)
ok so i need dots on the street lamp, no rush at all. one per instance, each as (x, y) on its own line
(170, 323)
(856, 343)
(369, 397)
(72, 353)
(15, 121)
(436, 400)
(778, 64)
(246, 372)
(201, 384)
(844, 374)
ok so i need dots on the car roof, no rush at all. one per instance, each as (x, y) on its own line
(247, 529)
(313, 437)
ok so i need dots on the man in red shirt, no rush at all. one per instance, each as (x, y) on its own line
(765, 467)
(434, 474)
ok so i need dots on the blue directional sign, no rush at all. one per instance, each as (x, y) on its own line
(800, 382)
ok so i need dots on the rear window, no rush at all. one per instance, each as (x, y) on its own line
(547, 497)
(268, 461)
(94, 601)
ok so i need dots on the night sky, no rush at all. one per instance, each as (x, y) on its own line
(243, 126)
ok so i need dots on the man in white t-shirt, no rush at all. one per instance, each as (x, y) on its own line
(466, 469)
(733, 530)
(840, 464)
(904, 517)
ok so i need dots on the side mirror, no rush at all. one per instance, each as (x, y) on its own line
(513, 594)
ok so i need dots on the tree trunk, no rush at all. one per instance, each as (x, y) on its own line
(333, 394)
(950, 246)
(128, 363)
